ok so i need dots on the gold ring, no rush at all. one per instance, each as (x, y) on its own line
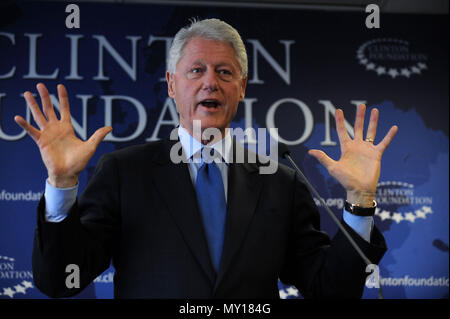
(369, 140)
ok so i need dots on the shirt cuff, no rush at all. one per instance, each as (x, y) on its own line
(363, 225)
(58, 201)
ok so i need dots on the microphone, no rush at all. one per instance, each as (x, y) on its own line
(283, 152)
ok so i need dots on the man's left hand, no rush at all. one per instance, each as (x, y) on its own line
(358, 169)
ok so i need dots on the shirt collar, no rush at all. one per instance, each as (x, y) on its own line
(191, 145)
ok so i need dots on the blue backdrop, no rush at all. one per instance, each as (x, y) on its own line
(302, 66)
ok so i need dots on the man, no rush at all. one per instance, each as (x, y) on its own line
(196, 229)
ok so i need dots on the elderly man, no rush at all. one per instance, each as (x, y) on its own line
(196, 229)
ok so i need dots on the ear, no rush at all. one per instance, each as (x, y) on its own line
(170, 84)
(243, 87)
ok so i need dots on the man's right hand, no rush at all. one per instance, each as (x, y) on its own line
(63, 154)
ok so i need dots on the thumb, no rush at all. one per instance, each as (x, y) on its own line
(99, 135)
(323, 158)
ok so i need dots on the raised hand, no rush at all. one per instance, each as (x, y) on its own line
(358, 169)
(63, 154)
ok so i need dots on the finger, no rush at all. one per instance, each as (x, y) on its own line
(372, 129)
(340, 126)
(35, 111)
(33, 132)
(359, 121)
(387, 139)
(47, 105)
(99, 135)
(322, 158)
(64, 108)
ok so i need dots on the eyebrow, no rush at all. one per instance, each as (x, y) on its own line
(225, 64)
(221, 64)
(198, 62)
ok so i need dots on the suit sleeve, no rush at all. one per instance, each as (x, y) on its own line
(321, 267)
(84, 238)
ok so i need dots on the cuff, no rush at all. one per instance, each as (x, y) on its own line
(58, 201)
(362, 225)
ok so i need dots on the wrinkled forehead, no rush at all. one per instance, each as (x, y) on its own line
(199, 48)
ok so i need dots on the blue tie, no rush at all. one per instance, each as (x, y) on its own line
(212, 204)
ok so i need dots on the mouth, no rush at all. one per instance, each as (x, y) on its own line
(210, 103)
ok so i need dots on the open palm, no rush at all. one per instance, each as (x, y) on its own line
(358, 169)
(63, 154)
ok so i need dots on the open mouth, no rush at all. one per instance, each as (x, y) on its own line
(210, 103)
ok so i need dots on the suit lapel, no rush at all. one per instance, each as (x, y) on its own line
(176, 189)
(244, 187)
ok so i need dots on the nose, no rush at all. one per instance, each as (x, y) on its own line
(210, 82)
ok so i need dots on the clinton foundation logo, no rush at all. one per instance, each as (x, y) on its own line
(13, 283)
(391, 57)
(398, 201)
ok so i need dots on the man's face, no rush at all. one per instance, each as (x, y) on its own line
(207, 84)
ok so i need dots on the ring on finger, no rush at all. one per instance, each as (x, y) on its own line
(370, 140)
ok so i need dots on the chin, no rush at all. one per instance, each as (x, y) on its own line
(208, 122)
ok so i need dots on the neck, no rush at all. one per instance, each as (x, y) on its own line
(209, 135)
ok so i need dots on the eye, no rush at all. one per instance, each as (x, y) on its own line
(225, 72)
(194, 73)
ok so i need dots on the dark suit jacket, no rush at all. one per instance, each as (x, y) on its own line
(140, 210)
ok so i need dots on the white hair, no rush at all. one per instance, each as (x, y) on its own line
(211, 29)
